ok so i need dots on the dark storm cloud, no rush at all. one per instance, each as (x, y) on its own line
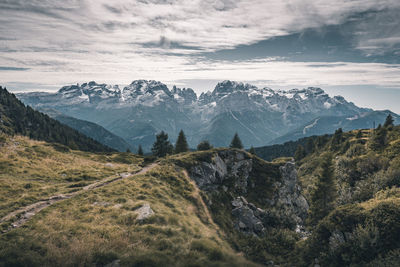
(2, 68)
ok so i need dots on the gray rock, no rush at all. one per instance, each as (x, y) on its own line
(229, 172)
(237, 203)
(289, 195)
(245, 219)
(144, 212)
(113, 264)
(209, 176)
(125, 174)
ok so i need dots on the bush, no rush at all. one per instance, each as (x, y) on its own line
(204, 145)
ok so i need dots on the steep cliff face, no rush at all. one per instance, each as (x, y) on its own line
(258, 195)
(226, 166)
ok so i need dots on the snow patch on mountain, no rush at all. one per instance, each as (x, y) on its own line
(310, 126)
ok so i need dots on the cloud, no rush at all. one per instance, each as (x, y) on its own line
(207, 24)
(78, 40)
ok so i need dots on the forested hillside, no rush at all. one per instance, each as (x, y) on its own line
(288, 149)
(16, 118)
(352, 184)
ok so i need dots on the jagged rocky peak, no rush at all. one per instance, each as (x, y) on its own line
(302, 94)
(205, 98)
(185, 95)
(227, 87)
(90, 91)
(70, 91)
(143, 87)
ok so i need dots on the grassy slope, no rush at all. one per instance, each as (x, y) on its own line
(33, 170)
(99, 226)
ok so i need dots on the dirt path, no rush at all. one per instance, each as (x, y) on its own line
(25, 213)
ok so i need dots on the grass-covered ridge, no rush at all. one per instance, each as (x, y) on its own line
(99, 226)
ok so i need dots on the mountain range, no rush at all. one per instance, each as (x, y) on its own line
(259, 115)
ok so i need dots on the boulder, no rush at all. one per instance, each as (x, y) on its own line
(144, 212)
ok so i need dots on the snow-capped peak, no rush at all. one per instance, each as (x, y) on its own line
(185, 95)
(227, 87)
(227, 95)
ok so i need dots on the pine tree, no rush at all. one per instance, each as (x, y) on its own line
(324, 194)
(252, 150)
(162, 146)
(204, 145)
(389, 121)
(140, 150)
(378, 139)
(300, 153)
(310, 145)
(359, 134)
(236, 142)
(181, 144)
(337, 138)
(128, 150)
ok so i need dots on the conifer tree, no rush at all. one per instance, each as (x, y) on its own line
(236, 142)
(252, 150)
(128, 150)
(140, 150)
(337, 138)
(324, 194)
(389, 121)
(181, 144)
(162, 146)
(378, 139)
(310, 145)
(204, 145)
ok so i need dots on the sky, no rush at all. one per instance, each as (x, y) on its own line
(347, 47)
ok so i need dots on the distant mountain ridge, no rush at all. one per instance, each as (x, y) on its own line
(143, 108)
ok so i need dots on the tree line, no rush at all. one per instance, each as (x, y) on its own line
(162, 146)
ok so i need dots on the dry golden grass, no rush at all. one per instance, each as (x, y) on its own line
(31, 171)
(99, 226)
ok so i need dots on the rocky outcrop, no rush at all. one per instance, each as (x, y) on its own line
(248, 218)
(231, 172)
(226, 164)
(289, 195)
